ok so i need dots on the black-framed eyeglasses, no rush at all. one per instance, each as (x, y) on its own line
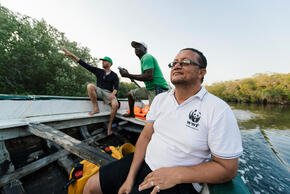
(183, 63)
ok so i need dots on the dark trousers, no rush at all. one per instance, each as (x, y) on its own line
(113, 175)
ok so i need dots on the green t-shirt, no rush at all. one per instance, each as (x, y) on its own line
(149, 62)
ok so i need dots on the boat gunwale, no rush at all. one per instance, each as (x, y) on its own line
(44, 97)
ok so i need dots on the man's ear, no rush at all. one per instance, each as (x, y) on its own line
(203, 72)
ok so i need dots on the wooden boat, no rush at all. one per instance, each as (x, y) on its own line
(42, 137)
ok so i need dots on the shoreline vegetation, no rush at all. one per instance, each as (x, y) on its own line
(31, 64)
(262, 88)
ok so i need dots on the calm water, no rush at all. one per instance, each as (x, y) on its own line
(265, 164)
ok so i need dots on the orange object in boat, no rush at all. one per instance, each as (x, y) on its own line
(140, 113)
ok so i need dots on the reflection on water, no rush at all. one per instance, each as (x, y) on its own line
(265, 164)
(264, 116)
(245, 115)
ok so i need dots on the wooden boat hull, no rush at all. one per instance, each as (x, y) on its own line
(41, 137)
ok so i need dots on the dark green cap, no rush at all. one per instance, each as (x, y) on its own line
(107, 59)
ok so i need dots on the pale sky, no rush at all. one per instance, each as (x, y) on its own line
(239, 38)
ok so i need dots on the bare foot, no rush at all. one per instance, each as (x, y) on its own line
(128, 115)
(95, 111)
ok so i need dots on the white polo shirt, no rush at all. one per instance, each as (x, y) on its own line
(187, 134)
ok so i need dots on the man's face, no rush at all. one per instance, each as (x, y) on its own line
(140, 49)
(187, 75)
(106, 64)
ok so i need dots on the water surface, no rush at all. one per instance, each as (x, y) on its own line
(265, 164)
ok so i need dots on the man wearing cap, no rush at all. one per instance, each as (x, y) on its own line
(190, 137)
(106, 88)
(151, 75)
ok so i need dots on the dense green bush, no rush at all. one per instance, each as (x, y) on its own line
(30, 61)
(261, 88)
(124, 88)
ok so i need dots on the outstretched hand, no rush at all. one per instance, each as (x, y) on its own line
(66, 52)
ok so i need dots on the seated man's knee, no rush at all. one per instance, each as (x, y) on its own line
(93, 186)
(115, 105)
(91, 87)
(129, 95)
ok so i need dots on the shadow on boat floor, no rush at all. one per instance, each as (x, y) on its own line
(53, 177)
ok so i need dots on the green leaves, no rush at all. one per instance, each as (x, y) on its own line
(261, 88)
(124, 88)
(30, 61)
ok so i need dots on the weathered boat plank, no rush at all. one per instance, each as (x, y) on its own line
(134, 128)
(12, 123)
(64, 161)
(78, 122)
(84, 132)
(132, 120)
(32, 167)
(71, 144)
(63, 117)
(10, 133)
(15, 187)
(6, 166)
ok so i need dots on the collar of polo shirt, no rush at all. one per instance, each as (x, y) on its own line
(200, 94)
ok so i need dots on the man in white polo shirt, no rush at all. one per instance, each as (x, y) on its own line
(184, 129)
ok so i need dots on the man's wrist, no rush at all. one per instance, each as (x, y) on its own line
(178, 175)
(76, 58)
(130, 178)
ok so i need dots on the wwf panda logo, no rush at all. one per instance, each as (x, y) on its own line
(194, 116)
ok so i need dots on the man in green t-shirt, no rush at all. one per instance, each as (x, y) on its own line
(151, 76)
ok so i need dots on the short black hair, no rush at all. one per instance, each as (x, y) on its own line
(201, 59)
